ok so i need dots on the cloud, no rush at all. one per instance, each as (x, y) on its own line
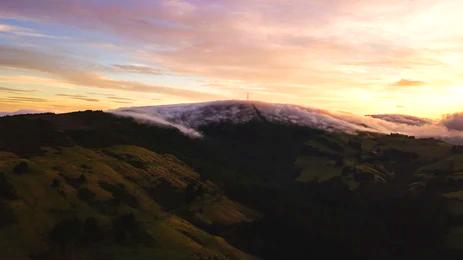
(5, 89)
(158, 121)
(120, 100)
(5, 28)
(293, 42)
(22, 99)
(449, 128)
(79, 97)
(21, 31)
(136, 69)
(81, 72)
(410, 125)
(403, 119)
(453, 121)
(407, 83)
(189, 117)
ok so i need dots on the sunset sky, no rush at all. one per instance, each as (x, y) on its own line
(364, 57)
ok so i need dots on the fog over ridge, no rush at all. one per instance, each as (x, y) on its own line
(189, 117)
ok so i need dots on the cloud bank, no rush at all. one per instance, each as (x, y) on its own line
(453, 122)
(189, 118)
(449, 129)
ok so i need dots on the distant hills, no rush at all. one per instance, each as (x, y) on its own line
(19, 112)
(260, 181)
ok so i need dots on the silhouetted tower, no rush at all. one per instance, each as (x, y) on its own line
(247, 96)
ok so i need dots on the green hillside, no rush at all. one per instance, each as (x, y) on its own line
(115, 202)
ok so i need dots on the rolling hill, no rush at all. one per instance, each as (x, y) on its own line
(97, 185)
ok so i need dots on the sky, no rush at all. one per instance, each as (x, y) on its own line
(363, 57)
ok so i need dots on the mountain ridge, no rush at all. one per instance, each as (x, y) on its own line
(191, 117)
(194, 115)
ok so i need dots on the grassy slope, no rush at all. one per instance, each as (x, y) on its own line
(103, 184)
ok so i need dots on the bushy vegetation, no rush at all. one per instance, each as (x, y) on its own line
(21, 168)
(7, 191)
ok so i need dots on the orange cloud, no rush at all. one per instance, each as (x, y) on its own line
(407, 83)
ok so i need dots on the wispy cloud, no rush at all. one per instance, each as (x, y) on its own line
(120, 100)
(78, 97)
(81, 72)
(22, 99)
(136, 69)
(5, 89)
(407, 83)
(22, 31)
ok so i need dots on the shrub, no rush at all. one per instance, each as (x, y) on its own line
(127, 229)
(55, 183)
(7, 216)
(86, 195)
(85, 167)
(21, 168)
(73, 232)
(66, 232)
(75, 182)
(192, 192)
(123, 227)
(92, 231)
(120, 193)
(7, 191)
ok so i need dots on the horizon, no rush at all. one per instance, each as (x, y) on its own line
(24, 111)
(32, 111)
(363, 58)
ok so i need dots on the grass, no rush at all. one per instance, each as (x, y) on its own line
(221, 211)
(317, 169)
(79, 193)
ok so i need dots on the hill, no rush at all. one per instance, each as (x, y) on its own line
(190, 117)
(95, 185)
(116, 202)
